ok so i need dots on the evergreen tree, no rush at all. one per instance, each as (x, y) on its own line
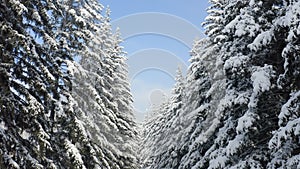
(196, 106)
(151, 132)
(44, 122)
(236, 125)
(106, 112)
(164, 123)
(29, 84)
(284, 40)
(246, 115)
(74, 24)
(124, 100)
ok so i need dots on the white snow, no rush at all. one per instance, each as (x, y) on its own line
(234, 145)
(291, 16)
(261, 79)
(19, 6)
(235, 62)
(242, 25)
(80, 124)
(218, 159)
(285, 133)
(242, 98)
(79, 19)
(294, 161)
(25, 135)
(291, 36)
(261, 40)
(36, 16)
(284, 54)
(245, 122)
(74, 152)
(287, 108)
(2, 126)
(85, 13)
(72, 11)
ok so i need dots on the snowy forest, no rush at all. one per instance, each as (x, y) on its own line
(65, 99)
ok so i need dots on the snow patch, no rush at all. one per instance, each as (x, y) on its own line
(242, 25)
(218, 161)
(235, 62)
(234, 145)
(18, 6)
(262, 39)
(294, 161)
(2, 126)
(261, 79)
(85, 13)
(72, 11)
(25, 135)
(245, 122)
(287, 108)
(74, 152)
(36, 16)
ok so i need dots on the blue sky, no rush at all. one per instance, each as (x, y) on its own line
(157, 36)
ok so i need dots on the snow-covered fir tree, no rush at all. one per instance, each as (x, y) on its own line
(101, 75)
(163, 122)
(196, 107)
(45, 120)
(248, 113)
(33, 84)
(251, 102)
(65, 98)
(150, 134)
(284, 38)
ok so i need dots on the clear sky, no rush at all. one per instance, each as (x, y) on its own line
(157, 36)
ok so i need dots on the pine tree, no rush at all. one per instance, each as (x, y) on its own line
(91, 96)
(196, 105)
(48, 121)
(123, 99)
(101, 78)
(28, 74)
(164, 123)
(247, 114)
(237, 114)
(42, 83)
(215, 22)
(151, 132)
(230, 122)
(284, 144)
(75, 22)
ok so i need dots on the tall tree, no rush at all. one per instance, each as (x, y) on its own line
(196, 106)
(102, 91)
(29, 76)
(247, 112)
(237, 126)
(44, 123)
(284, 144)
(164, 123)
